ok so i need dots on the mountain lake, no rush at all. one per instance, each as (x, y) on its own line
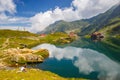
(91, 60)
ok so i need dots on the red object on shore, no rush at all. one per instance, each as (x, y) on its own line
(42, 35)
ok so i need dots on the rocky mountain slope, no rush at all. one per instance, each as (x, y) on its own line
(63, 26)
(87, 26)
(102, 20)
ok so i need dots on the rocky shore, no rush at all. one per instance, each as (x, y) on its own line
(22, 56)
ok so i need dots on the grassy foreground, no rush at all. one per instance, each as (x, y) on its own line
(31, 74)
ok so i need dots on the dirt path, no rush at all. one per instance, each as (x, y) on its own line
(5, 44)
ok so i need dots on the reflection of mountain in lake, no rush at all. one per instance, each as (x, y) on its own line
(87, 61)
(110, 51)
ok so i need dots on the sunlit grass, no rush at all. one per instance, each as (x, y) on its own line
(31, 74)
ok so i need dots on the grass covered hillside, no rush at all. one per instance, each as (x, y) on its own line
(14, 39)
(87, 26)
(15, 33)
(12, 44)
(98, 22)
(63, 26)
(112, 32)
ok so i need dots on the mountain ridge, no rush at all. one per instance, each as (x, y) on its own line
(85, 26)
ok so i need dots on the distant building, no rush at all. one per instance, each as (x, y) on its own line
(72, 34)
(97, 36)
(42, 35)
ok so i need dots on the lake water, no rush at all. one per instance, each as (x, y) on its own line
(79, 62)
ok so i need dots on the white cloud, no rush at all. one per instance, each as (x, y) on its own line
(14, 23)
(9, 22)
(9, 19)
(86, 60)
(89, 8)
(41, 20)
(7, 5)
(3, 17)
(79, 9)
(21, 28)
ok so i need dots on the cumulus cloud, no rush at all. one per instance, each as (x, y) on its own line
(86, 61)
(7, 21)
(21, 28)
(89, 8)
(7, 5)
(79, 9)
(15, 23)
(42, 20)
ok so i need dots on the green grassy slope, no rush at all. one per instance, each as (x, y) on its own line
(63, 26)
(15, 33)
(14, 39)
(86, 26)
(112, 32)
(101, 20)
(31, 74)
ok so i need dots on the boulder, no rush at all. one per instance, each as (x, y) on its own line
(26, 58)
(27, 55)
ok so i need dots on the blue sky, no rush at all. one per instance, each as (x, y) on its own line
(36, 15)
(29, 8)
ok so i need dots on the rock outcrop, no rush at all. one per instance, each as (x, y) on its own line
(26, 55)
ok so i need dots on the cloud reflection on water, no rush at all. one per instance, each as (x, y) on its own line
(86, 61)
